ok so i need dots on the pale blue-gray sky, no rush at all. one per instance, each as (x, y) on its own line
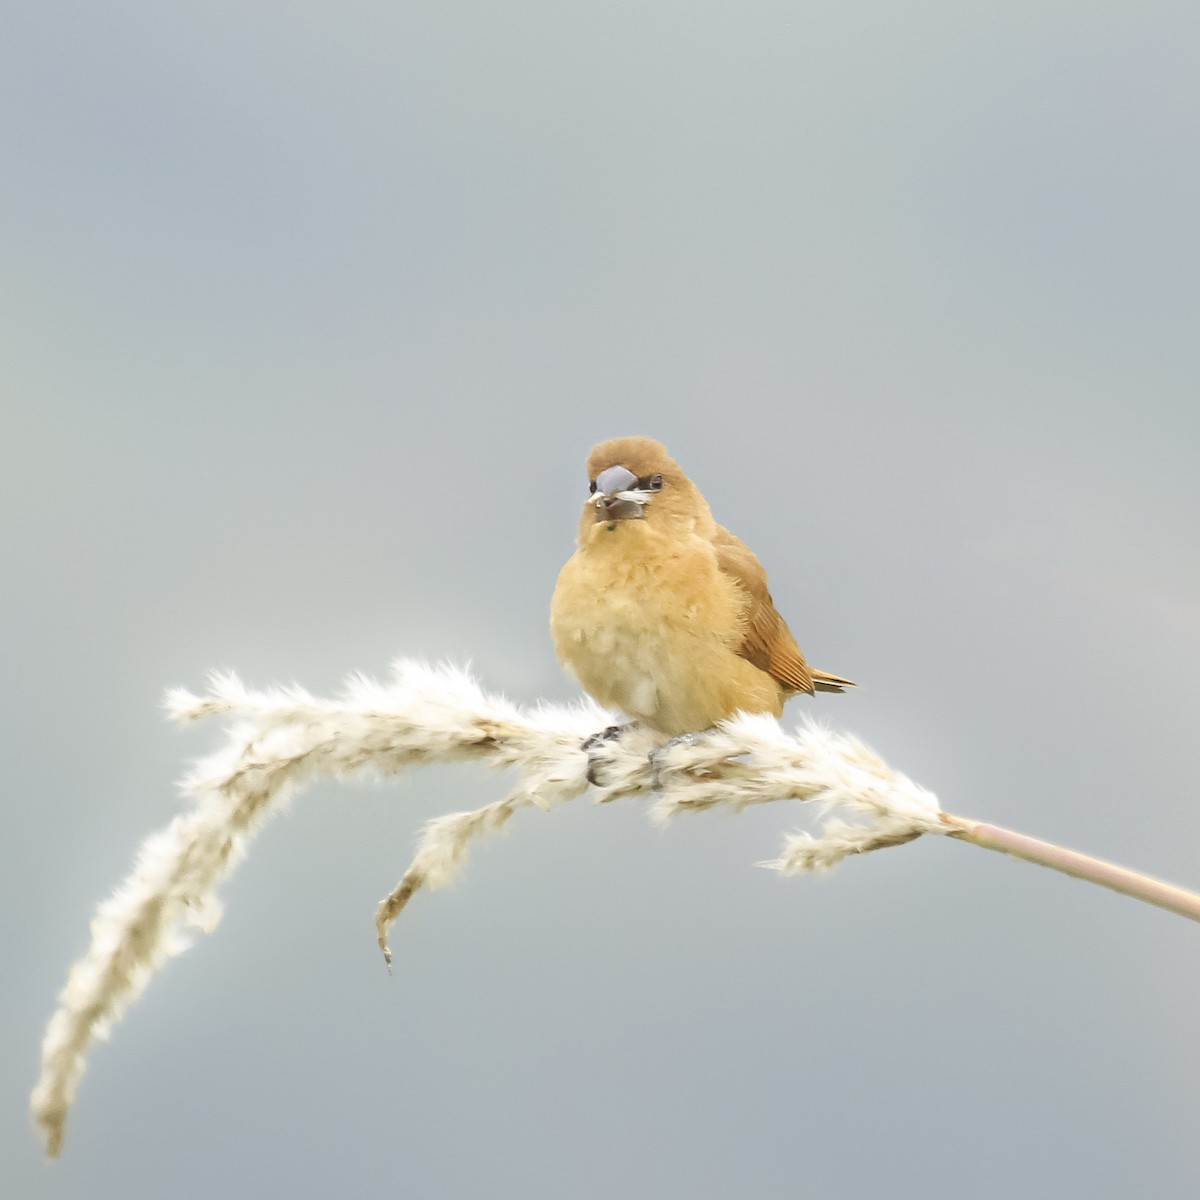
(297, 295)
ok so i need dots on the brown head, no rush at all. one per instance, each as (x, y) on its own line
(634, 479)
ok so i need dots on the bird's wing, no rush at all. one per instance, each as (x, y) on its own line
(768, 642)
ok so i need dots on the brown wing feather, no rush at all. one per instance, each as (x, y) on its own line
(768, 642)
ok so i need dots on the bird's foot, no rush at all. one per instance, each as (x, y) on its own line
(659, 755)
(594, 748)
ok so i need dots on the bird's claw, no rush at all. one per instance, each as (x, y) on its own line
(659, 754)
(593, 748)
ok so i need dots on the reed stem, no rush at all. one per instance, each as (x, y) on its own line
(1071, 862)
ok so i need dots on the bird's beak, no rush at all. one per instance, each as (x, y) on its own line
(617, 497)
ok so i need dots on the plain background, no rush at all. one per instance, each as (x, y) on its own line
(311, 313)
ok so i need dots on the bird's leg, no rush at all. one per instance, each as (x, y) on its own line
(659, 753)
(594, 748)
(607, 735)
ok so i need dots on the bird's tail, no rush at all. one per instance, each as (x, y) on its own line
(824, 682)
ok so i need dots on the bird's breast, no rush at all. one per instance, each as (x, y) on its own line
(649, 626)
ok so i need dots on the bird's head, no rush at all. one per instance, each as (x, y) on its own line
(635, 479)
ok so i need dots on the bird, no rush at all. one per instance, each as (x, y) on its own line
(665, 614)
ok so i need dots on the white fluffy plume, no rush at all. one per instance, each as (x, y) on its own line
(284, 737)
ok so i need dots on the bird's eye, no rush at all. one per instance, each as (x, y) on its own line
(592, 486)
(655, 483)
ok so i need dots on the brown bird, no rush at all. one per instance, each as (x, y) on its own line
(663, 613)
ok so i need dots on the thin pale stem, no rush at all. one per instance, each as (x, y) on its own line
(1071, 862)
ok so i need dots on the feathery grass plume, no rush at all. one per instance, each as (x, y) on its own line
(285, 737)
(446, 840)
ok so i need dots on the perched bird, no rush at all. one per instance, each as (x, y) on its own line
(663, 613)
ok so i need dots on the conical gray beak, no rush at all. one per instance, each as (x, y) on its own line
(613, 499)
(614, 480)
